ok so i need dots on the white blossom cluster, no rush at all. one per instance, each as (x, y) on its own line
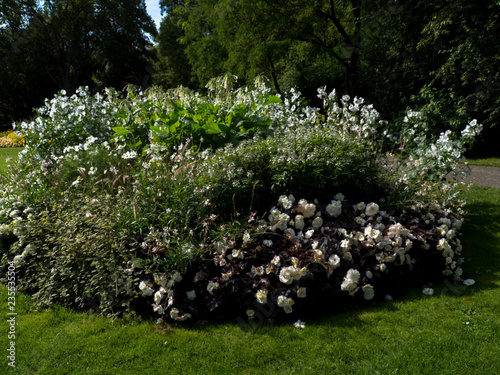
(69, 121)
(315, 232)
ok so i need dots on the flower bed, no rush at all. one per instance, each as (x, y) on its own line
(181, 206)
(309, 257)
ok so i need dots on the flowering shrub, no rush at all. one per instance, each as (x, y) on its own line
(139, 204)
(73, 253)
(68, 121)
(10, 139)
(310, 256)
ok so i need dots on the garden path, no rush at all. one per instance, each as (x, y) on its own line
(484, 176)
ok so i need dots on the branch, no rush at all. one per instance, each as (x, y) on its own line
(335, 20)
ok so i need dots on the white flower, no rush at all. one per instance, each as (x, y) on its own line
(159, 309)
(281, 301)
(369, 274)
(368, 292)
(143, 286)
(301, 292)
(285, 303)
(469, 282)
(309, 210)
(353, 275)
(29, 248)
(299, 222)
(129, 155)
(371, 209)
(359, 220)
(290, 233)
(212, 286)
(274, 216)
(237, 254)
(334, 261)
(348, 286)
(428, 291)
(286, 276)
(268, 243)
(174, 313)
(250, 313)
(283, 220)
(158, 297)
(14, 213)
(276, 260)
(309, 233)
(350, 281)
(317, 223)
(261, 296)
(18, 259)
(177, 277)
(334, 209)
(191, 295)
(299, 324)
(345, 244)
(246, 237)
(306, 209)
(286, 202)
(361, 206)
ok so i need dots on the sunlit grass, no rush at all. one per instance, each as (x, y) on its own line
(455, 331)
(489, 162)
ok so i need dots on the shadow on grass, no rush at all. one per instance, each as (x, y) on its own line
(481, 236)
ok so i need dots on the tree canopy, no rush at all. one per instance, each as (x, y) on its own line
(64, 44)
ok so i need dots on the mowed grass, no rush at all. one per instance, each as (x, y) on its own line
(489, 162)
(455, 331)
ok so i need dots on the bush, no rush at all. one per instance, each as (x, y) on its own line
(73, 253)
(10, 139)
(127, 207)
(308, 258)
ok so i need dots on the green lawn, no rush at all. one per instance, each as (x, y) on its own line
(455, 331)
(489, 162)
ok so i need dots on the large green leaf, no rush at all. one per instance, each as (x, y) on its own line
(120, 130)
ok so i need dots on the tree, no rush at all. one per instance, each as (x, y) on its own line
(70, 43)
(286, 40)
(436, 55)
